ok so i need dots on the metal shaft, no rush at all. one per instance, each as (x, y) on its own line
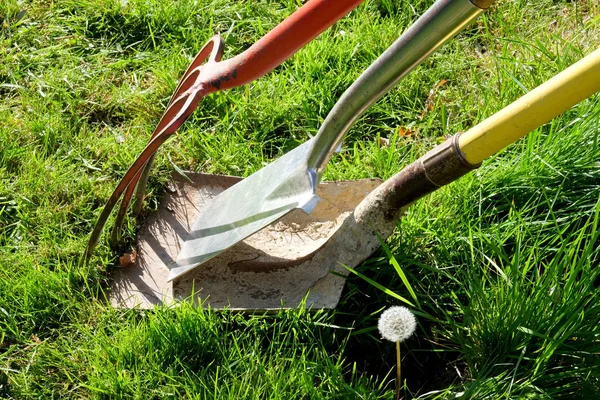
(440, 23)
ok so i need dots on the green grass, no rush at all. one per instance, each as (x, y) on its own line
(502, 263)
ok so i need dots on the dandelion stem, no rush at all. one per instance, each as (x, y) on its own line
(398, 374)
(397, 324)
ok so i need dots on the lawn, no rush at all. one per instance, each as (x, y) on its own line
(503, 263)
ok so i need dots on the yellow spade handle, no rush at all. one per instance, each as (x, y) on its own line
(537, 107)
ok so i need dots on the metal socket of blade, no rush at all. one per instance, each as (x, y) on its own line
(438, 167)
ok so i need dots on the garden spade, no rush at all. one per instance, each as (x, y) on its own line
(290, 182)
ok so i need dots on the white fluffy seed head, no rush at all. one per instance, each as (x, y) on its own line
(397, 324)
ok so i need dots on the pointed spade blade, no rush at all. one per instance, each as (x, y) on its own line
(247, 207)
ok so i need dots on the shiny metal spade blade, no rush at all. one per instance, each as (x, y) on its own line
(247, 207)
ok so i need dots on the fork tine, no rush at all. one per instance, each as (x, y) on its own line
(181, 114)
(213, 50)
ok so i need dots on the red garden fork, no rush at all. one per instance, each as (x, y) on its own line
(208, 74)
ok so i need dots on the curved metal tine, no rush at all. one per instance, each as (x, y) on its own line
(215, 45)
(215, 56)
(181, 113)
(168, 120)
(216, 53)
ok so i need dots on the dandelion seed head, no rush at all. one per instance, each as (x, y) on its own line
(397, 324)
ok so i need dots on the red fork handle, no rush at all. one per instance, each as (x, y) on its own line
(284, 40)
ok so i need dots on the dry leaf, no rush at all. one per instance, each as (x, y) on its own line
(429, 103)
(403, 131)
(128, 259)
(383, 142)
